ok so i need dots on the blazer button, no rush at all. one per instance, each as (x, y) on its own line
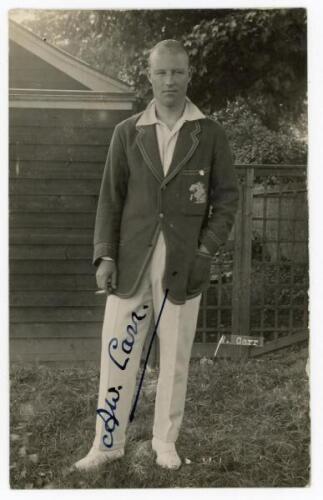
(161, 215)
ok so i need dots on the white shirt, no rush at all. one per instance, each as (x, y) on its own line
(167, 138)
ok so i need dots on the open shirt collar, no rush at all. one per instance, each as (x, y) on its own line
(149, 117)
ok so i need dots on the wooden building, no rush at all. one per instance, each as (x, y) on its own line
(62, 115)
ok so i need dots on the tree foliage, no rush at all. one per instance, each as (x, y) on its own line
(249, 66)
(257, 54)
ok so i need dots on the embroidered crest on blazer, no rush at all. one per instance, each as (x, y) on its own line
(136, 201)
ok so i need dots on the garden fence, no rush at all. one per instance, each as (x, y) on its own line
(259, 280)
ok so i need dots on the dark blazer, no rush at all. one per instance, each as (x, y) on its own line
(195, 203)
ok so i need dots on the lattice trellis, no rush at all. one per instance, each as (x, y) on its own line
(259, 281)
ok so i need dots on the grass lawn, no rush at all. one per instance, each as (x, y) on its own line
(245, 424)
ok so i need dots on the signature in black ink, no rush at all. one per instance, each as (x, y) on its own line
(108, 416)
(128, 342)
(132, 413)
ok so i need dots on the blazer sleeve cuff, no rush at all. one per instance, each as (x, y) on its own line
(211, 241)
(102, 250)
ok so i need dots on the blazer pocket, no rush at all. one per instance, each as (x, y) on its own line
(200, 274)
(194, 191)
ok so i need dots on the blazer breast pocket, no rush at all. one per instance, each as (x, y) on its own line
(194, 191)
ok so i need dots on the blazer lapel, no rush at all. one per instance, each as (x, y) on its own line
(148, 145)
(186, 144)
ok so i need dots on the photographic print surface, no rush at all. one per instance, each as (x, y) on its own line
(158, 248)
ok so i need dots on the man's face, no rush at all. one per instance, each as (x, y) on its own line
(169, 75)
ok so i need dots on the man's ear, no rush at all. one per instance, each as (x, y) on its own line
(148, 74)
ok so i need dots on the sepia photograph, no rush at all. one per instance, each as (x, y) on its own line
(159, 249)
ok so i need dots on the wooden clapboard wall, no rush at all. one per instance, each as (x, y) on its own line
(56, 162)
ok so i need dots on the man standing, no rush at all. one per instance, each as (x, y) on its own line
(167, 202)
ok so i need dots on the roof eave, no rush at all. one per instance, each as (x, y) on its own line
(73, 67)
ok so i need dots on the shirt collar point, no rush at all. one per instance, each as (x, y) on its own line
(191, 113)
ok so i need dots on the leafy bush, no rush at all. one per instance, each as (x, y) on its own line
(253, 142)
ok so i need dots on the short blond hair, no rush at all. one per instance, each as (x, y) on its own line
(170, 46)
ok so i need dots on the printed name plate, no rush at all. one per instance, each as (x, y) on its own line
(243, 340)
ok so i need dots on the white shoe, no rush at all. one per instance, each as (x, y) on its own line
(95, 458)
(167, 456)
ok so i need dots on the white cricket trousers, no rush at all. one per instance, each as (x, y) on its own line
(123, 336)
